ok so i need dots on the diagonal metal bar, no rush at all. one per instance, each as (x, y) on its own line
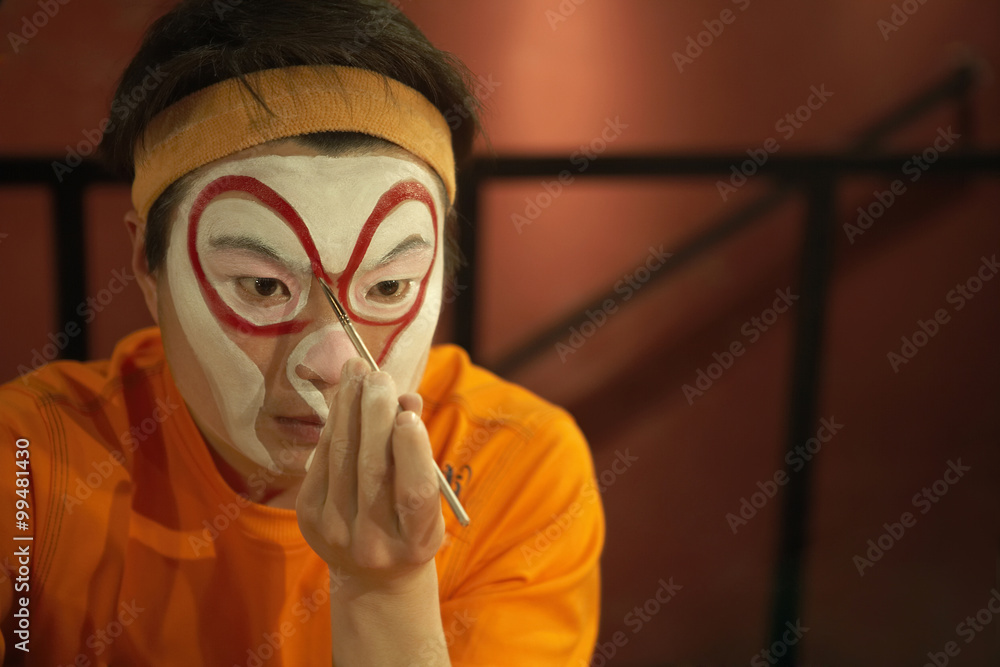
(814, 272)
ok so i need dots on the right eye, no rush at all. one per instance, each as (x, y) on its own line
(265, 292)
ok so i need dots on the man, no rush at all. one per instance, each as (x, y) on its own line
(235, 486)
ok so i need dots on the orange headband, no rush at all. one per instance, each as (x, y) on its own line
(224, 118)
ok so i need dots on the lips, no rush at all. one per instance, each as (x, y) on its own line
(311, 418)
(302, 428)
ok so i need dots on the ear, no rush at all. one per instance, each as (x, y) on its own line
(140, 269)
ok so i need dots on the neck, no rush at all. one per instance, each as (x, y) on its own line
(260, 485)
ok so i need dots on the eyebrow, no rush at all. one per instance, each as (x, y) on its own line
(259, 247)
(254, 245)
(410, 243)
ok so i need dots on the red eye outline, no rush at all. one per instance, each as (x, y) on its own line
(398, 194)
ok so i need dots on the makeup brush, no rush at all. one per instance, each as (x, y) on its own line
(359, 345)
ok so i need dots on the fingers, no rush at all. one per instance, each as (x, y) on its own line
(379, 404)
(416, 485)
(370, 498)
(413, 402)
(342, 495)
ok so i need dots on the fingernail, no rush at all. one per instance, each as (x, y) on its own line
(380, 378)
(406, 417)
(355, 368)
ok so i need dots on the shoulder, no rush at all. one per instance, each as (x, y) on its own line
(456, 390)
(71, 421)
(479, 420)
(85, 386)
(83, 400)
(516, 457)
(72, 410)
(79, 419)
(527, 566)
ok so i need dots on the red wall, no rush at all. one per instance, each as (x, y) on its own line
(555, 88)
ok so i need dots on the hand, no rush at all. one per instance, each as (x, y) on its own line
(363, 504)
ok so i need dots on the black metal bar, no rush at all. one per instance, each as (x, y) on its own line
(67, 189)
(787, 165)
(696, 165)
(954, 85)
(40, 171)
(817, 255)
(726, 226)
(717, 232)
(71, 265)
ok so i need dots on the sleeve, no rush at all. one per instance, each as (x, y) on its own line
(529, 592)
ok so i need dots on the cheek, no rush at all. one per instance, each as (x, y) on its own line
(404, 352)
(377, 338)
(226, 353)
(267, 353)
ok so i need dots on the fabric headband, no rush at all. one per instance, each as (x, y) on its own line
(224, 118)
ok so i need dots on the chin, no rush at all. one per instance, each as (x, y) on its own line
(290, 460)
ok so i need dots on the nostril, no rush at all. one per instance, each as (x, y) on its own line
(321, 377)
(307, 373)
(324, 355)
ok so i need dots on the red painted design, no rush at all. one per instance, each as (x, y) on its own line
(398, 194)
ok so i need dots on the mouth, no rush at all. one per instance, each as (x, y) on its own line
(302, 428)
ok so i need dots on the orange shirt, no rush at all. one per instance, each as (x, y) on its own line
(142, 555)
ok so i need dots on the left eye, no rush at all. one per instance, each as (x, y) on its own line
(389, 290)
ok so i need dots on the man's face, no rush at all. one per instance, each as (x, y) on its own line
(254, 346)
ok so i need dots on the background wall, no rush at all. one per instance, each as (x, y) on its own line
(556, 74)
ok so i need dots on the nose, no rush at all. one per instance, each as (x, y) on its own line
(326, 351)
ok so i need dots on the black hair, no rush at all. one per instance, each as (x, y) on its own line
(201, 42)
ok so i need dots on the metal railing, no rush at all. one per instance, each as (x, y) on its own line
(816, 175)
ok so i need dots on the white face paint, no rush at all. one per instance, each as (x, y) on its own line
(244, 251)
